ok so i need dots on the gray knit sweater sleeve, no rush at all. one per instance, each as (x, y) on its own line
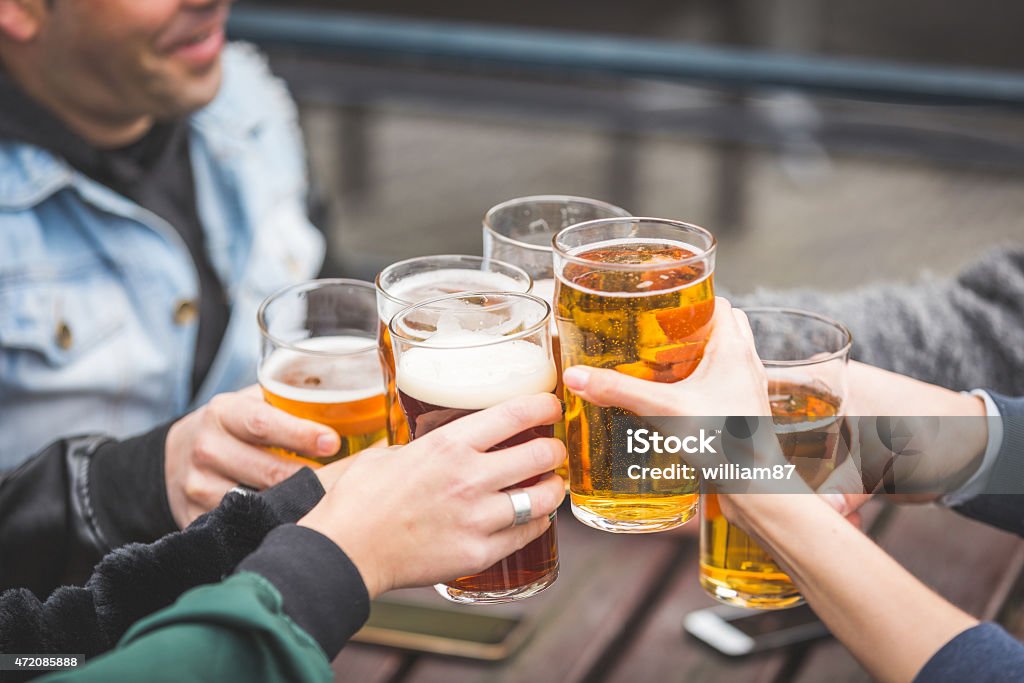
(961, 333)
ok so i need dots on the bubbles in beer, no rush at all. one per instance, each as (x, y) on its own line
(643, 307)
(659, 276)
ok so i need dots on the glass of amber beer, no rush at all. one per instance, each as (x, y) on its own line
(462, 353)
(427, 277)
(635, 295)
(805, 357)
(320, 359)
(519, 232)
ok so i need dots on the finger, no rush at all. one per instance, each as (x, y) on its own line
(489, 427)
(845, 503)
(252, 391)
(255, 422)
(507, 541)
(496, 510)
(204, 496)
(521, 462)
(743, 330)
(241, 463)
(606, 388)
(856, 520)
(844, 487)
(731, 339)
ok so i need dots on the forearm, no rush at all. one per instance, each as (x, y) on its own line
(889, 620)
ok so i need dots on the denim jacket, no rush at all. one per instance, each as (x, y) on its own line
(98, 296)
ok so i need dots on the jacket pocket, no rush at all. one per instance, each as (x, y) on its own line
(58, 320)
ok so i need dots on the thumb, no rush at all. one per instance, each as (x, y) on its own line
(610, 388)
(844, 503)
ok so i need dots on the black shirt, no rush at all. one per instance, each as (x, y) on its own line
(155, 172)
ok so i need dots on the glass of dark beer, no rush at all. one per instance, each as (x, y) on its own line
(320, 359)
(462, 353)
(427, 277)
(805, 357)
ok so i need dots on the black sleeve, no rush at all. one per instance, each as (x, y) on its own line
(334, 604)
(1001, 503)
(46, 534)
(126, 479)
(983, 654)
(79, 498)
(136, 580)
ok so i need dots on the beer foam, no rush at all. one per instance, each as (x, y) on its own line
(435, 283)
(477, 377)
(623, 241)
(297, 376)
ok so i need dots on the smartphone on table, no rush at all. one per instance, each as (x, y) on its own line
(735, 631)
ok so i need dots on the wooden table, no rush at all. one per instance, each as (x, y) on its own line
(615, 613)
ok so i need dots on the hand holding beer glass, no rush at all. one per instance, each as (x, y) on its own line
(463, 353)
(635, 295)
(320, 359)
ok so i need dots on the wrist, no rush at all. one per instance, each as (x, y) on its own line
(328, 474)
(972, 438)
(361, 554)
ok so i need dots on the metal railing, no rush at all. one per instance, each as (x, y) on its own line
(567, 52)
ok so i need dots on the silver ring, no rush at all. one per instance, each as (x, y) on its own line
(520, 506)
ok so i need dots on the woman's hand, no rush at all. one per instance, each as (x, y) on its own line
(435, 509)
(730, 379)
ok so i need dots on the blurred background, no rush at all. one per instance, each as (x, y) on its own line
(906, 154)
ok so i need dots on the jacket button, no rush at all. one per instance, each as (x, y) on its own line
(185, 311)
(63, 336)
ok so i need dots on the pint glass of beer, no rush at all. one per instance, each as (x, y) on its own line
(320, 359)
(467, 352)
(805, 357)
(519, 232)
(635, 295)
(427, 277)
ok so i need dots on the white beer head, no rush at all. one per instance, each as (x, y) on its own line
(473, 350)
(324, 370)
(474, 370)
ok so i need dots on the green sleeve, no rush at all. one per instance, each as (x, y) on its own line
(231, 631)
